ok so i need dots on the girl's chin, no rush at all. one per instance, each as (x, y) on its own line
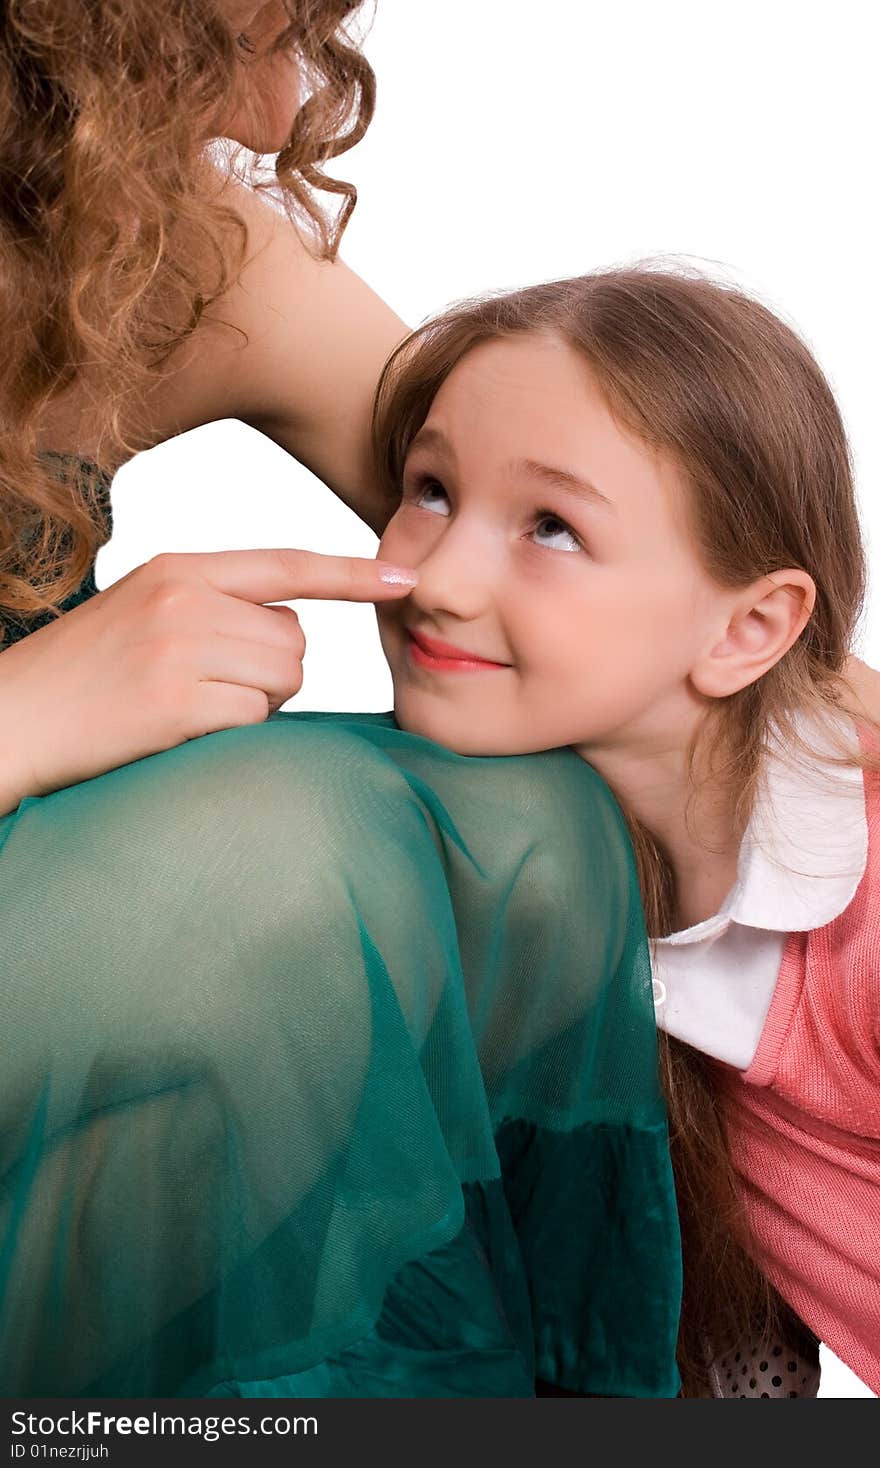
(440, 730)
(461, 739)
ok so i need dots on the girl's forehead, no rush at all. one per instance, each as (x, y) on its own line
(530, 390)
(520, 358)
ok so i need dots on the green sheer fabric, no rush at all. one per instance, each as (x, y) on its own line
(330, 1070)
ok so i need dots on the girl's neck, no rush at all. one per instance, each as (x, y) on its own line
(694, 828)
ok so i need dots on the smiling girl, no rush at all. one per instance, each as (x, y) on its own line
(629, 500)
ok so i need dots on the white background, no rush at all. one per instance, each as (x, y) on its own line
(515, 142)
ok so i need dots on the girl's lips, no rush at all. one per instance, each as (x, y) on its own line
(429, 652)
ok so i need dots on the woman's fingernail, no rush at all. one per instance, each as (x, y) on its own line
(397, 576)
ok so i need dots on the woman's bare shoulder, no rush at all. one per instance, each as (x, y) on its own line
(863, 683)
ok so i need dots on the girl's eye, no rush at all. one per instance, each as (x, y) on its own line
(429, 494)
(559, 528)
(425, 487)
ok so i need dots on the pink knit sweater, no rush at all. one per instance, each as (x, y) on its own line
(804, 1123)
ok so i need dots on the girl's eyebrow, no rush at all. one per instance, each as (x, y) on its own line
(555, 478)
(565, 480)
(431, 438)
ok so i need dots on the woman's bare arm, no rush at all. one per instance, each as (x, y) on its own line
(317, 337)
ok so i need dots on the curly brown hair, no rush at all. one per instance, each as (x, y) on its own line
(114, 240)
(717, 383)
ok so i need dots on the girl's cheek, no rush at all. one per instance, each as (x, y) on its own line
(409, 534)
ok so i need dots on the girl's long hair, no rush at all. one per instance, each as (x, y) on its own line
(114, 240)
(718, 384)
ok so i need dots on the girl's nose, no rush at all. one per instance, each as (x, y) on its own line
(456, 576)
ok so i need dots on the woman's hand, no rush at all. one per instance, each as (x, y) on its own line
(181, 646)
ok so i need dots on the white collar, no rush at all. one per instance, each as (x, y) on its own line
(805, 847)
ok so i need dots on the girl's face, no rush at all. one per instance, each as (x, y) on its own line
(551, 542)
(263, 116)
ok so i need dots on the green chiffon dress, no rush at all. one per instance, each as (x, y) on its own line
(330, 1070)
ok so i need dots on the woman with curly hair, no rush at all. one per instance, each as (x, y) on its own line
(308, 1089)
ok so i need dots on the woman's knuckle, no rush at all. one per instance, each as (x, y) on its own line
(163, 653)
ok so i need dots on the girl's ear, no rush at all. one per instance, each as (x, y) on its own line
(766, 619)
